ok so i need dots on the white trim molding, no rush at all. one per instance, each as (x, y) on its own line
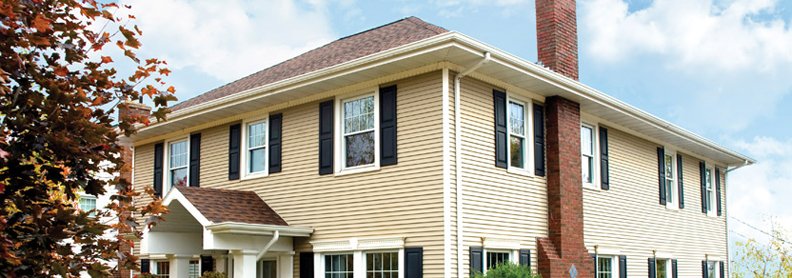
(354, 244)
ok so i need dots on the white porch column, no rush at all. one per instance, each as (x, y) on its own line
(244, 263)
(179, 265)
(286, 266)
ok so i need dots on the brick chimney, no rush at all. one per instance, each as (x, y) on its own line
(563, 249)
(132, 112)
(556, 32)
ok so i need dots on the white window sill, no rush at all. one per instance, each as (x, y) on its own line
(672, 207)
(357, 170)
(592, 186)
(254, 176)
(518, 171)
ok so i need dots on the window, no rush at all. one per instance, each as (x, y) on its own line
(358, 131)
(587, 143)
(517, 135)
(194, 269)
(87, 203)
(163, 269)
(712, 269)
(269, 269)
(178, 158)
(256, 144)
(382, 265)
(663, 267)
(495, 258)
(669, 168)
(710, 190)
(605, 267)
(339, 266)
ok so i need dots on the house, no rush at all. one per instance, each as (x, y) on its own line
(409, 150)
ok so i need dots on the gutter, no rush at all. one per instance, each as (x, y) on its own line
(458, 155)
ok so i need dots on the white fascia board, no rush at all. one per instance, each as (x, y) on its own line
(258, 229)
(175, 195)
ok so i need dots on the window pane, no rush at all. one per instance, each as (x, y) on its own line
(496, 258)
(711, 270)
(359, 149)
(517, 152)
(604, 267)
(662, 266)
(358, 115)
(87, 203)
(338, 265)
(179, 177)
(178, 154)
(670, 191)
(256, 160)
(382, 265)
(669, 169)
(516, 119)
(587, 168)
(586, 141)
(256, 135)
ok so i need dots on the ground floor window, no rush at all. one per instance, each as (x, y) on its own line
(163, 269)
(712, 269)
(339, 266)
(268, 269)
(195, 269)
(604, 267)
(495, 258)
(382, 265)
(663, 266)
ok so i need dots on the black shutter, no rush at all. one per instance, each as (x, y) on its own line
(661, 174)
(145, 266)
(234, 144)
(326, 137)
(413, 262)
(674, 271)
(604, 165)
(722, 270)
(652, 268)
(306, 264)
(195, 159)
(275, 142)
(476, 260)
(158, 161)
(525, 257)
(594, 256)
(622, 266)
(680, 183)
(501, 142)
(703, 173)
(539, 140)
(718, 191)
(704, 269)
(387, 98)
(207, 264)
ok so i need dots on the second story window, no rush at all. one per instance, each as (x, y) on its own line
(587, 143)
(670, 170)
(709, 196)
(87, 203)
(358, 127)
(517, 135)
(256, 144)
(178, 158)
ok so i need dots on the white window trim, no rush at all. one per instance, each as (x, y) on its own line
(595, 177)
(712, 209)
(665, 257)
(166, 185)
(513, 256)
(340, 161)
(246, 174)
(529, 135)
(717, 265)
(614, 263)
(674, 204)
(358, 261)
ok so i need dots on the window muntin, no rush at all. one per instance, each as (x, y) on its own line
(358, 119)
(517, 134)
(194, 270)
(710, 191)
(178, 159)
(256, 145)
(163, 269)
(662, 266)
(339, 266)
(495, 258)
(87, 203)
(587, 153)
(382, 265)
(604, 267)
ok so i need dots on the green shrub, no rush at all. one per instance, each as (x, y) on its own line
(509, 270)
(214, 274)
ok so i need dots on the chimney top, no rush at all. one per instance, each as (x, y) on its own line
(556, 32)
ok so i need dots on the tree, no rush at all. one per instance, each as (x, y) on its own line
(773, 259)
(57, 100)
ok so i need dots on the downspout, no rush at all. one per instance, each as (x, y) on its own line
(728, 235)
(458, 155)
(275, 237)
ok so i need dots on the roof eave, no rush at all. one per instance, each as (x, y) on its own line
(258, 229)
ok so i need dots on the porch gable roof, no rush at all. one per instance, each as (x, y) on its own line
(228, 206)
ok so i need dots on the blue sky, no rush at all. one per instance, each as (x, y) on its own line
(720, 68)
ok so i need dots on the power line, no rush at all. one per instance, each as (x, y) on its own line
(759, 230)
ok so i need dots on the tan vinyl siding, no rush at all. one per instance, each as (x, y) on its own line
(497, 204)
(403, 200)
(630, 219)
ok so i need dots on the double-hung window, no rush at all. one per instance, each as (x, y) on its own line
(517, 135)
(709, 185)
(339, 266)
(587, 151)
(606, 267)
(87, 203)
(359, 131)
(163, 269)
(382, 265)
(663, 268)
(670, 170)
(713, 271)
(494, 258)
(178, 160)
(194, 269)
(256, 148)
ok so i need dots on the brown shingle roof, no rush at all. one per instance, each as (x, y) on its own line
(222, 205)
(345, 49)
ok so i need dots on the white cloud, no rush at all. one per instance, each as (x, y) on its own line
(229, 39)
(693, 34)
(759, 194)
